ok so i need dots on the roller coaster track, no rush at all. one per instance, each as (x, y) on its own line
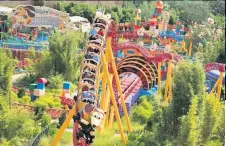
(79, 140)
(145, 73)
(144, 24)
(144, 66)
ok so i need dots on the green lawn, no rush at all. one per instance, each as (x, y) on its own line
(109, 137)
(66, 140)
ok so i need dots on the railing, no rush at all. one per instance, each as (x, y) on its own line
(35, 141)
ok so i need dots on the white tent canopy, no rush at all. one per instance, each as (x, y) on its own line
(75, 21)
(5, 10)
(78, 19)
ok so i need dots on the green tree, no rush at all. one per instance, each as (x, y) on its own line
(217, 7)
(55, 82)
(128, 15)
(62, 118)
(171, 20)
(38, 2)
(188, 81)
(44, 67)
(6, 71)
(60, 5)
(188, 134)
(16, 141)
(210, 119)
(147, 10)
(115, 17)
(21, 93)
(31, 53)
(20, 120)
(45, 120)
(143, 110)
(63, 50)
(39, 109)
(191, 11)
(3, 111)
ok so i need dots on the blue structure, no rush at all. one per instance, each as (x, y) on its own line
(42, 36)
(120, 54)
(66, 85)
(212, 77)
(33, 97)
(171, 34)
(41, 86)
(208, 83)
(149, 92)
(20, 45)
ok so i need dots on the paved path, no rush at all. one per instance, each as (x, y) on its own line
(68, 129)
(17, 76)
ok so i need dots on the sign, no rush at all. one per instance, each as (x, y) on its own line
(34, 16)
(214, 66)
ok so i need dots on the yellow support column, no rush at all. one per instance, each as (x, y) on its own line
(167, 84)
(103, 92)
(102, 101)
(97, 82)
(107, 106)
(170, 88)
(64, 126)
(159, 78)
(111, 119)
(113, 99)
(111, 58)
(183, 46)
(215, 86)
(107, 117)
(170, 80)
(219, 86)
(190, 49)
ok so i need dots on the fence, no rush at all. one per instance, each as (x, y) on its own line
(35, 141)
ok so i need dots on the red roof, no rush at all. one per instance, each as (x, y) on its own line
(42, 80)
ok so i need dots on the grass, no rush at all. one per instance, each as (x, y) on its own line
(44, 141)
(134, 125)
(109, 137)
(65, 140)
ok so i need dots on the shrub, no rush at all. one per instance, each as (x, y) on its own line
(26, 80)
(21, 93)
(62, 118)
(45, 120)
(44, 141)
(25, 99)
(143, 110)
(39, 108)
(50, 101)
(52, 129)
(55, 82)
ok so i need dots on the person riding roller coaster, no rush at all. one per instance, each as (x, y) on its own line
(101, 32)
(93, 56)
(85, 131)
(88, 118)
